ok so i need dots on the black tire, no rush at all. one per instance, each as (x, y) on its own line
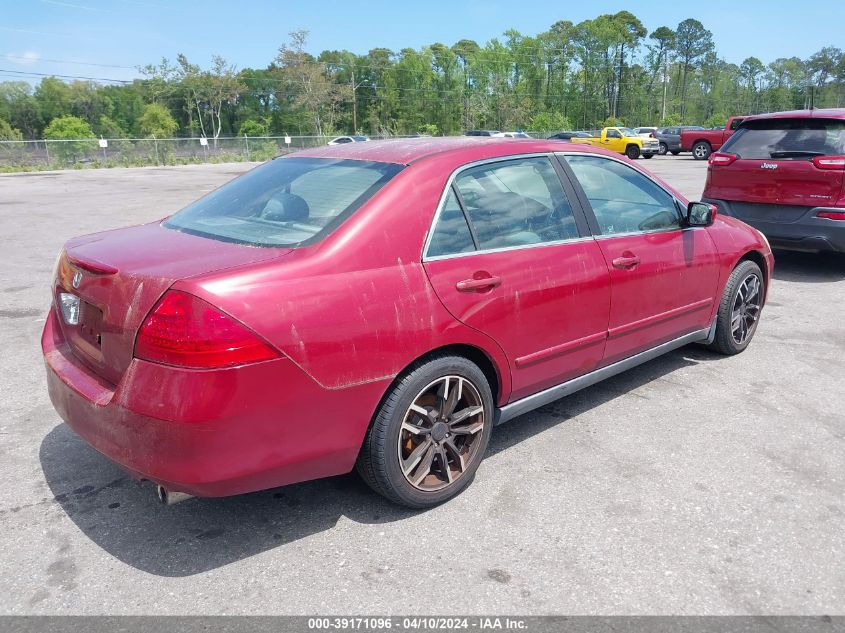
(701, 150)
(379, 460)
(675, 152)
(632, 152)
(647, 156)
(725, 341)
(663, 149)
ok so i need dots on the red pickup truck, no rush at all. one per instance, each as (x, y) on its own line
(702, 143)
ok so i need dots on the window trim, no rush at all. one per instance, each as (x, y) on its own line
(574, 202)
(588, 208)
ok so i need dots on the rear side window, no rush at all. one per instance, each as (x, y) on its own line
(623, 200)
(285, 202)
(516, 203)
(451, 234)
(788, 139)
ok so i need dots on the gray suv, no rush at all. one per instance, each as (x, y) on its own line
(670, 138)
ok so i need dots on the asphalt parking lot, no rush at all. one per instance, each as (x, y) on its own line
(695, 484)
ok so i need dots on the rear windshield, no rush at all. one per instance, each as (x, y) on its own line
(285, 202)
(797, 139)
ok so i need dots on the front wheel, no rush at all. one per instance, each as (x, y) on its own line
(701, 150)
(632, 152)
(739, 310)
(430, 433)
(663, 149)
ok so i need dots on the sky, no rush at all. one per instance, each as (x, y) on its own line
(109, 39)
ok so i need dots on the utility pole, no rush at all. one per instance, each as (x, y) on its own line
(355, 102)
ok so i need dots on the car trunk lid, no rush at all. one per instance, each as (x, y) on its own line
(120, 275)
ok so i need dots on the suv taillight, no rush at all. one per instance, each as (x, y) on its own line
(719, 158)
(185, 331)
(829, 162)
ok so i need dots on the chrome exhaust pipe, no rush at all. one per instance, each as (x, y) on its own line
(170, 497)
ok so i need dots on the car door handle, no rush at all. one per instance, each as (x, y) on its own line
(476, 285)
(626, 262)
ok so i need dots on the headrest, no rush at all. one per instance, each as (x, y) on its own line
(285, 207)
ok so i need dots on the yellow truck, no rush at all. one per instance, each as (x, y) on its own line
(622, 140)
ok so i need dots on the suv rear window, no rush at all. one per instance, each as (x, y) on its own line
(285, 202)
(798, 139)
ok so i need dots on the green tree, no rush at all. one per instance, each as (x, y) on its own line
(549, 122)
(251, 127)
(156, 121)
(693, 42)
(8, 133)
(70, 132)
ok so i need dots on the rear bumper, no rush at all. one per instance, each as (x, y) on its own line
(799, 231)
(211, 432)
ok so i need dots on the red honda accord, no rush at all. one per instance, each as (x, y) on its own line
(383, 305)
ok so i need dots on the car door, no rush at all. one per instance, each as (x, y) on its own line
(613, 140)
(510, 255)
(664, 275)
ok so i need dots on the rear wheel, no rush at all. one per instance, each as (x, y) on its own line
(739, 310)
(632, 152)
(430, 433)
(663, 149)
(701, 150)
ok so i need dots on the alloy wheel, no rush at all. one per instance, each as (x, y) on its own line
(441, 433)
(746, 309)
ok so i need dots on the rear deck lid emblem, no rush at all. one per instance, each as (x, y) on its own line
(769, 166)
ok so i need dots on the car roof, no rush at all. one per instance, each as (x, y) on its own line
(816, 113)
(405, 151)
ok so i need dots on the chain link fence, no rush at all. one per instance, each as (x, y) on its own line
(139, 152)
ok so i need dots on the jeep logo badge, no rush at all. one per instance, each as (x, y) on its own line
(77, 278)
(769, 166)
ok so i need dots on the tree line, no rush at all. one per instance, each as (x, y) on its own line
(607, 70)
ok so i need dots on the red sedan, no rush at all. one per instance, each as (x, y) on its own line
(382, 306)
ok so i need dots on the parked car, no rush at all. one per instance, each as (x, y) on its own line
(482, 133)
(670, 138)
(784, 173)
(565, 136)
(645, 132)
(621, 140)
(515, 135)
(383, 305)
(342, 140)
(702, 143)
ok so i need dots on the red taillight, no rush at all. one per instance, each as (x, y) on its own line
(718, 158)
(831, 215)
(829, 162)
(185, 331)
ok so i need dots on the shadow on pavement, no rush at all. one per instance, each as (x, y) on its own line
(809, 267)
(121, 514)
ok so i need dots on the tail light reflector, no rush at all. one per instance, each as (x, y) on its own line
(831, 215)
(719, 158)
(829, 162)
(185, 331)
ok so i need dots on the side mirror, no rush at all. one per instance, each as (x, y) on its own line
(701, 214)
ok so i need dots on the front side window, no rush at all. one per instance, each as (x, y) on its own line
(614, 134)
(516, 203)
(285, 202)
(798, 139)
(623, 200)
